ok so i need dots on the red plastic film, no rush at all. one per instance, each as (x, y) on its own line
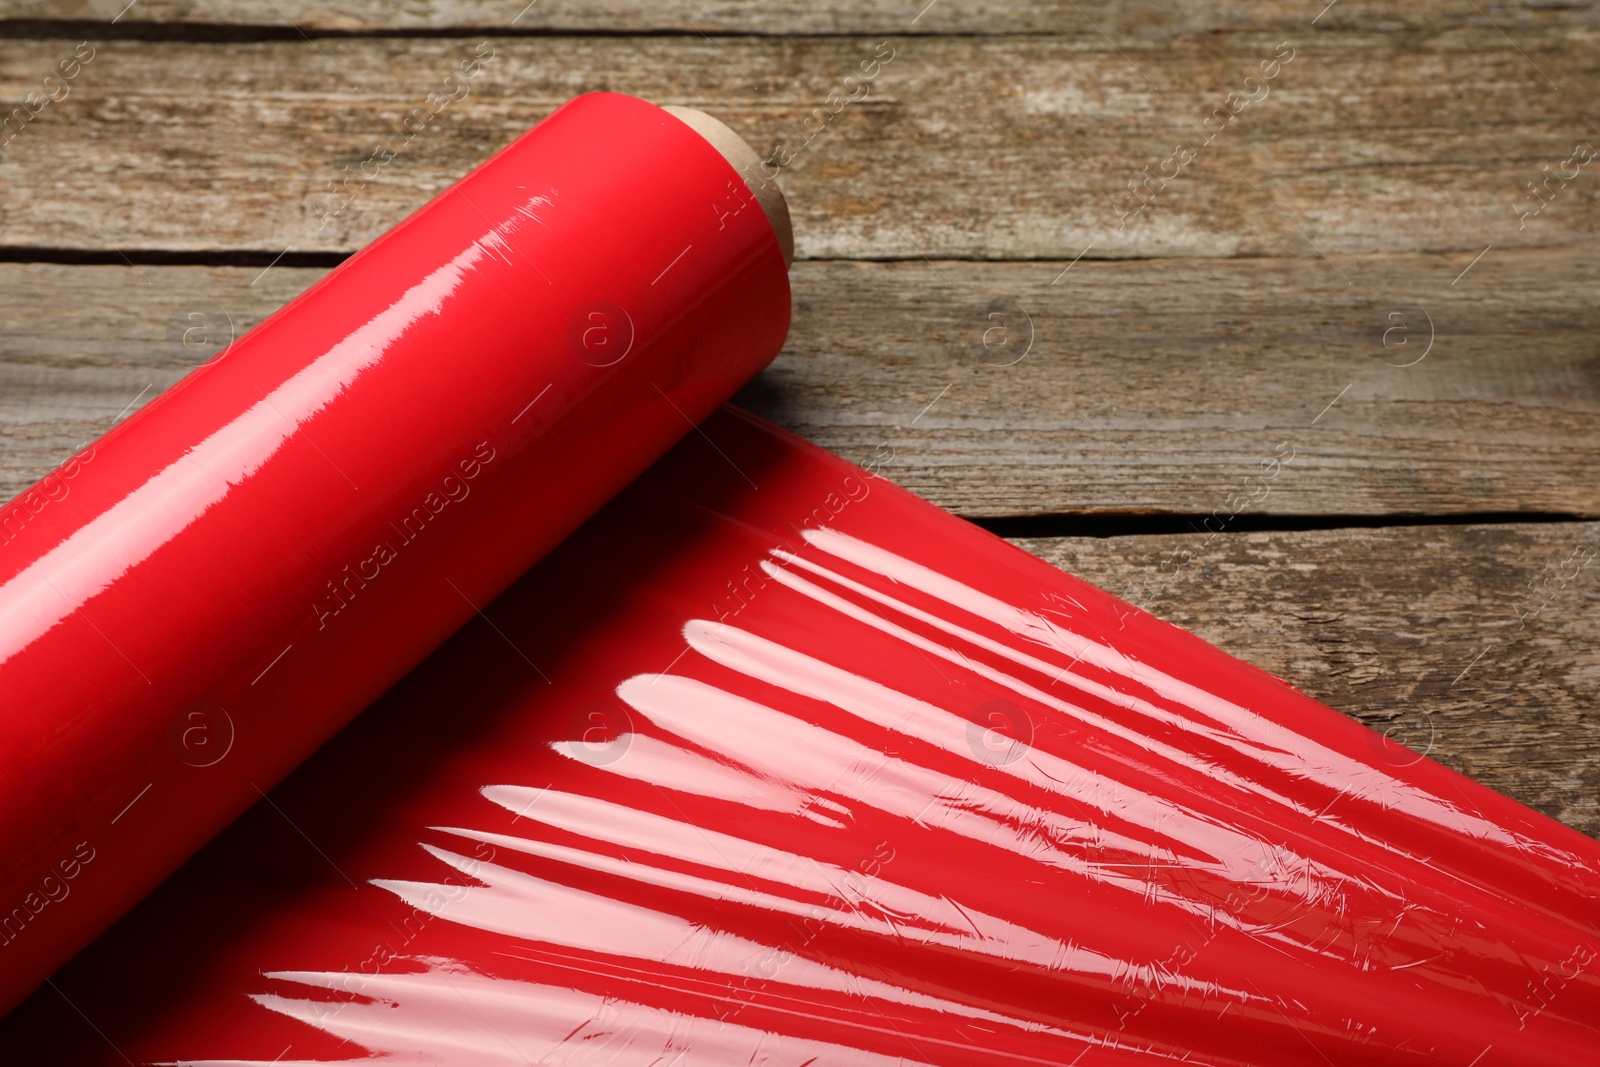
(769, 763)
(195, 602)
(805, 771)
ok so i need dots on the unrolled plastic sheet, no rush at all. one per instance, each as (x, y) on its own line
(774, 763)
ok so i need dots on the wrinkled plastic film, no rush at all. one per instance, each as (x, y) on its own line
(198, 600)
(816, 773)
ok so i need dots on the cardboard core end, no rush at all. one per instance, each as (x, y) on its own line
(737, 151)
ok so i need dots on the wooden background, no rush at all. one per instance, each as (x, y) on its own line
(1340, 280)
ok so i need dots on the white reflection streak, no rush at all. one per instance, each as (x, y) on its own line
(674, 767)
(144, 520)
(777, 746)
(417, 1020)
(872, 904)
(866, 903)
(515, 904)
(876, 907)
(1246, 732)
(69, 575)
(1248, 859)
(631, 827)
(1174, 754)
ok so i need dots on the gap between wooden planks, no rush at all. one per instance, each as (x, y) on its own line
(1086, 17)
(968, 147)
(1187, 387)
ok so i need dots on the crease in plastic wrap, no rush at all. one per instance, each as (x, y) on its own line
(773, 763)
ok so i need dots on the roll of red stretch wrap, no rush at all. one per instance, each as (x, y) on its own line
(206, 594)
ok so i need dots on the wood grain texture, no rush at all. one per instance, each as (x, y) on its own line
(1271, 295)
(83, 346)
(1149, 386)
(967, 147)
(1479, 645)
(815, 17)
(1164, 386)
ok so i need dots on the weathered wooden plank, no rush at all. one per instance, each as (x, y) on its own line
(968, 147)
(821, 16)
(1206, 387)
(1479, 645)
(83, 346)
(1151, 386)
